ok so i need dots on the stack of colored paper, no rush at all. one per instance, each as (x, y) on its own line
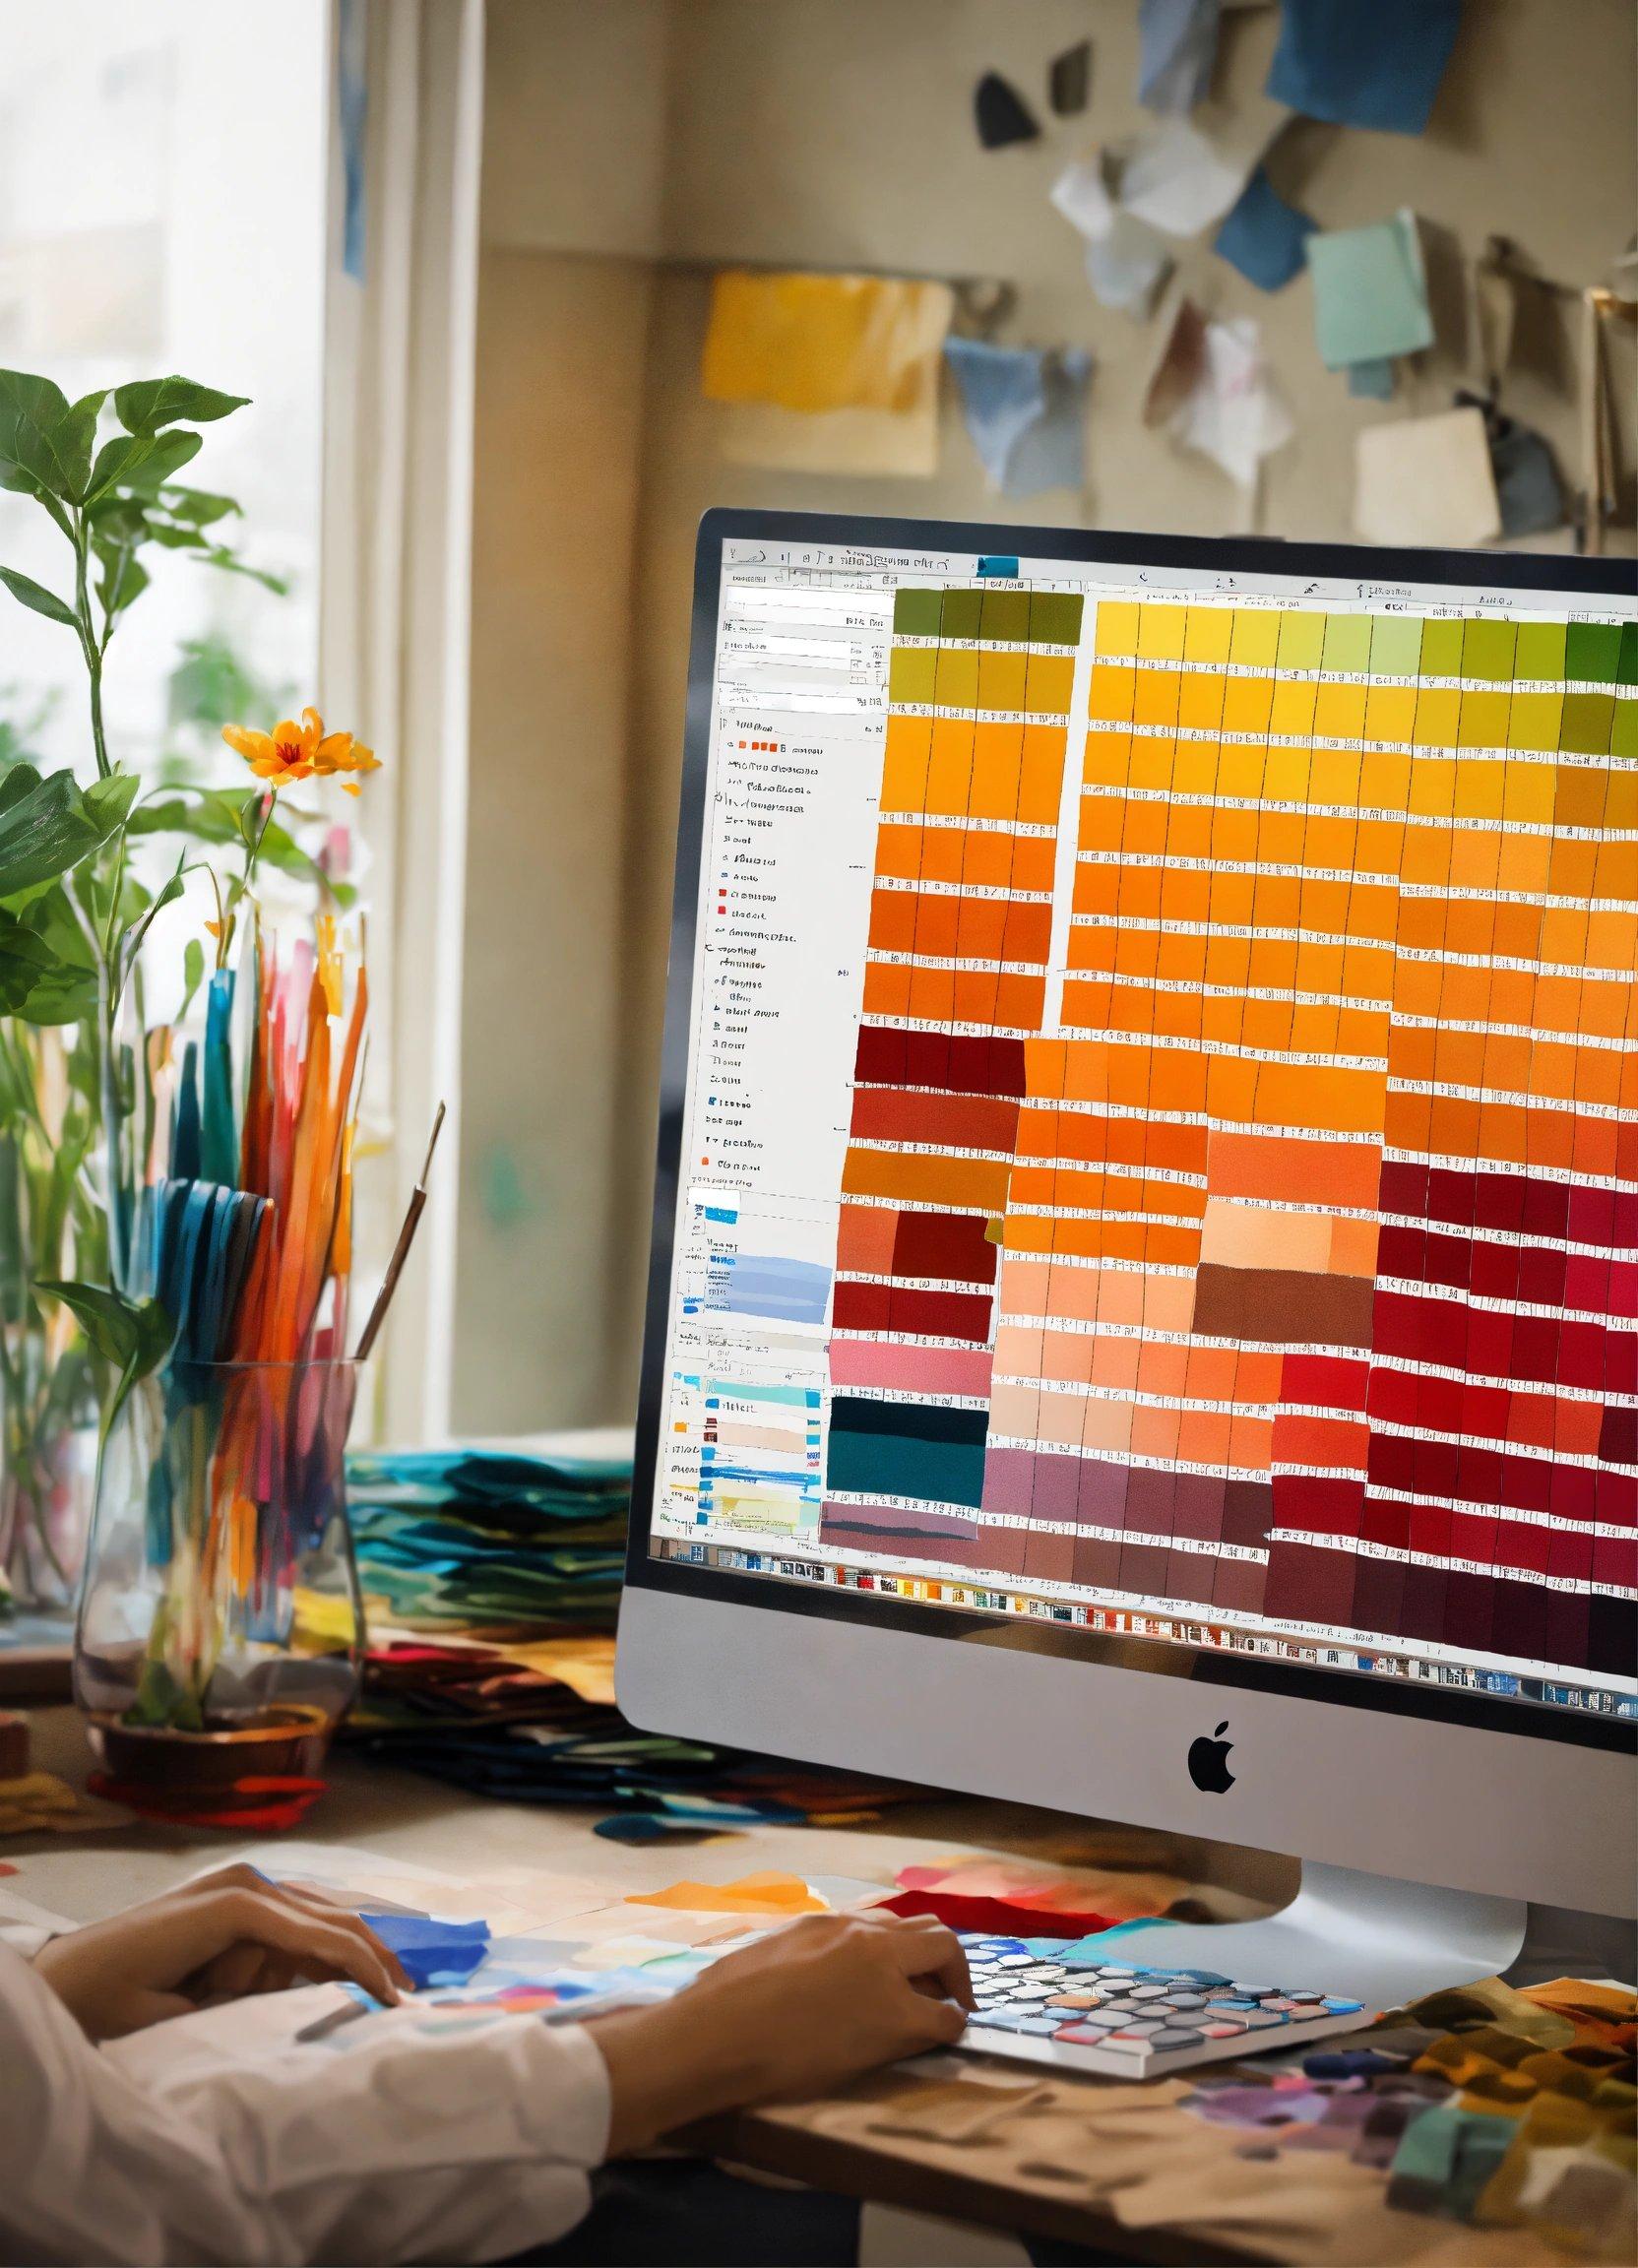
(534, 1723)
(478, 1539)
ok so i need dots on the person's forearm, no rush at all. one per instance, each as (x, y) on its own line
(668, 2065)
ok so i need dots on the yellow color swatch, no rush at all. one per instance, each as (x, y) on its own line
(769, 1893)
(817, 342)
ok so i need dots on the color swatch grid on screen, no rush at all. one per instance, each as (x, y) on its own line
(1292, 1271)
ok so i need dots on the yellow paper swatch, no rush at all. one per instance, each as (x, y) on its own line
(823, 342)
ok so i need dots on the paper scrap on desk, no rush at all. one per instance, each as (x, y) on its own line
(1263, 237)
(1024, 410)
(432, 1951)
(1178, 49)
(1426, 481)
(38, 1803)
(822, 343)
(1127, 261)
(1353, 65)
(765, 1893)
(1177, 180)
(1372, 380)
(1000, 114)
(1370, 291)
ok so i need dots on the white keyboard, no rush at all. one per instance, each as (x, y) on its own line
(1128, 2022)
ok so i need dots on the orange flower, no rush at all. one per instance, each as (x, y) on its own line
(299, 751)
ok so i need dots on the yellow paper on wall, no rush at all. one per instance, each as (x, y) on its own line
(824, 342)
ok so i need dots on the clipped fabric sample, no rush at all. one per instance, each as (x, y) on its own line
(1364, 66)
(1370, 291)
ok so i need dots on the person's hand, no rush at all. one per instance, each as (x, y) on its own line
(226, 1936)
(797, 2014)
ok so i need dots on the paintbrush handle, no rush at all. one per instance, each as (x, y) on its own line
(389, 1282)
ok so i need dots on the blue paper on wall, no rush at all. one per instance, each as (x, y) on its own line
(1370, 292)
(1025, 409)
(1177, 48)
(1372, 380)
(1355, 64)
(1263, 237)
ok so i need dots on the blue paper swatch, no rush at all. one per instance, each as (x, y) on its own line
(1262, 235)
(1355, 64)
(432, 1952)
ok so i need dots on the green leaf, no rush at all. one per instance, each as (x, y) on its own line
(215, 815)
(30, 593)
(109, 801)
(219, 555)
(197, 506)
(31, 461)
(44, 979)
(51, 826)
(176, 537)
(154, 402)
(25, 960)
(193, 975)
(141, 461)
(123, 580)
(134, 1335)
(19, 780)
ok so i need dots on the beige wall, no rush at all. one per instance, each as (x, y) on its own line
(836, 132)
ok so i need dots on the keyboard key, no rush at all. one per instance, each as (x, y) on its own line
(1227, 2030)
(1171, 2038)
(1317, 1997)
(1016, 1961)
(1188, 2000)
(1038, 2026)
(1148, 1993)
(997, 2019)
(1253, 1991)
(1259, 2019)
(1076, 2001)
(1345, 2007)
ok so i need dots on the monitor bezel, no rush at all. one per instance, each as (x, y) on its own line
(1595, 579)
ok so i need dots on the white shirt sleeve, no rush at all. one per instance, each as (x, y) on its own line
(472, 2145)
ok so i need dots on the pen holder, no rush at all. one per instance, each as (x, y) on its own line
(220, 1638)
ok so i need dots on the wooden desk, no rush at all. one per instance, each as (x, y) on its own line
(1115, 2167)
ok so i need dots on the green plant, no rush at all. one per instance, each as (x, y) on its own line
(75, 1077)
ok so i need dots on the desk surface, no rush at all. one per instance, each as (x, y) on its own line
(1115, 2166)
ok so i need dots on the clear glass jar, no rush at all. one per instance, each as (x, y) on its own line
(219, 1631)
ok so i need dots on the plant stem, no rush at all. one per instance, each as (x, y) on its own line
(88, 643)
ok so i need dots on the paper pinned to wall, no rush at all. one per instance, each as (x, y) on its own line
(813, 344)
(1001, 115)
(1126, 262)
(1426, 481)
(1235, 415)
(1024, 410)
(1176, 52)
(1372, 380)
(1263, 237)
(1181, 362)
(1069, 80)
(1178, 180)
(1370, 291)
(1364, 66)
(885, 443)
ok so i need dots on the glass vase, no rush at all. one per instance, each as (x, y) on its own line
(220, 1638)
(49, 1386)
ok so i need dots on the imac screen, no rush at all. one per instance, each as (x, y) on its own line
(1161, 1144)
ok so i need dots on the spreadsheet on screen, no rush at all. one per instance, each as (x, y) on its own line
(1160, 1150)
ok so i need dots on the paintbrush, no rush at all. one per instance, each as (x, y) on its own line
(401, 1250)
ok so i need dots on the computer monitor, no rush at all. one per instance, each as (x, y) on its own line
(1142, 1290)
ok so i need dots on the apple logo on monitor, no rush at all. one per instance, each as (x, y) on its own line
(1209, 1763)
